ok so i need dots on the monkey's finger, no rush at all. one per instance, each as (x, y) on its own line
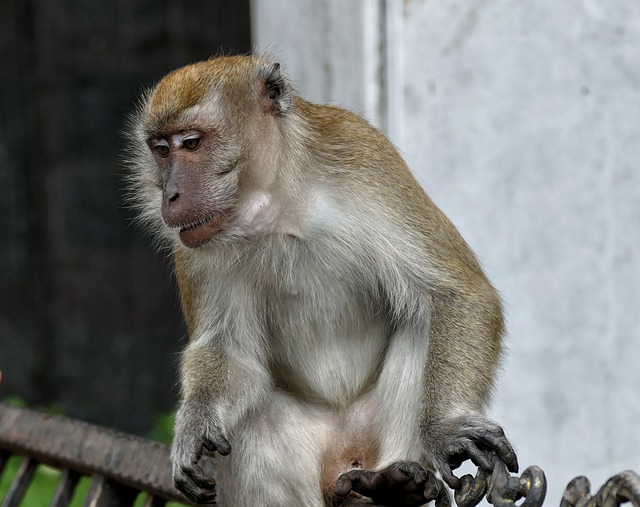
(398, 475)
(442, 498)
(199, 478)
(497, 440)
(406, 471)
(343, 486)
(499, 443)
(364, 482)
(434, 489)
(508, 456)
(447, 476)
(221, 445)
(195, 494)
(478, 457)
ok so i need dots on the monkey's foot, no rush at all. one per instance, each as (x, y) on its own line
(403, 483)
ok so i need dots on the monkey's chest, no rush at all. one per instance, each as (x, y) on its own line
(327, 342)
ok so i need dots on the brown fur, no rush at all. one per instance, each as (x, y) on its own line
(328, 270)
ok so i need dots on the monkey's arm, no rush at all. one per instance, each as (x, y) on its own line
(199, 423)
(449, 295)
(218, 388)
(464, 334)
(219, 382)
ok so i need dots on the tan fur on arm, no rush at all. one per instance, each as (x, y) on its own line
(187, 293)
(204, 373)
(464, 349)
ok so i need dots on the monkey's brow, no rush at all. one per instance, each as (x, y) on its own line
(158, 126)
(164, 132)
(153, 133)
(169, 126)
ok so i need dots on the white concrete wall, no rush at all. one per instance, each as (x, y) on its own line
(326, 48)
(522, 121)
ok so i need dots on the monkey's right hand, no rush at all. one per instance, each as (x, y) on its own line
(469, 437)
(195, 430)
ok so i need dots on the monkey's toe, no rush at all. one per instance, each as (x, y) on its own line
(400, 484)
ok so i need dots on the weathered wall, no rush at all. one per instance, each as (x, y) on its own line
(522, 120)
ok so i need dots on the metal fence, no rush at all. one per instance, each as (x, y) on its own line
(122, 467)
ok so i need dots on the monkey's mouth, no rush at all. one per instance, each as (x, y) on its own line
(199, 232)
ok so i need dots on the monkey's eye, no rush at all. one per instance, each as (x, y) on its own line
(163, 150)
(191, 143)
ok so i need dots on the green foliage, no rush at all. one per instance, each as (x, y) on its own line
(162, 429)
(15, 401)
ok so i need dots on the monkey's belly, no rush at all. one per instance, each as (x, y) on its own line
(330, 366)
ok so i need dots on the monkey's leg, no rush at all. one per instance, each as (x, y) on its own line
(401, 484)
(399, 478)
(276, 461)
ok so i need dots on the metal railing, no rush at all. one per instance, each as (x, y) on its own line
(123, 466)
(503, 489)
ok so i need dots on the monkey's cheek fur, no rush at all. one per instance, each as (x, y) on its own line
(194, 236)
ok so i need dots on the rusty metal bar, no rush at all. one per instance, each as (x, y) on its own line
(88, 449)
(20, 483)
(67, 485)
(123, 465)
(4, 457)
(107, 493)
(621, 488)
(502, 489)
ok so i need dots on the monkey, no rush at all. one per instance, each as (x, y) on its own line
(343, 338)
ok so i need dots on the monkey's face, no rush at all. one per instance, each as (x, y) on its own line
(209, 167)
(199, 179)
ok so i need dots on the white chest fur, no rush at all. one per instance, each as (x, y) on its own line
(329, 339)
(324, 329)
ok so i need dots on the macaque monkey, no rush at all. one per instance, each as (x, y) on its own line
(343, 337)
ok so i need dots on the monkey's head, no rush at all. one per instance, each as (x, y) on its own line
(204, 146)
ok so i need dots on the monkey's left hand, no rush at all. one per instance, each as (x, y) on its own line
(195, 430)
(469, 437)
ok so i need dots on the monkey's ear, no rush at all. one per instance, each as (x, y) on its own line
(277, 94)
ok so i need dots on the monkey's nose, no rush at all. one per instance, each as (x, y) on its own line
(171, 193)
(171, 204)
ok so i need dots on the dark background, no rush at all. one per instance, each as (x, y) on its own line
(89, 316)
